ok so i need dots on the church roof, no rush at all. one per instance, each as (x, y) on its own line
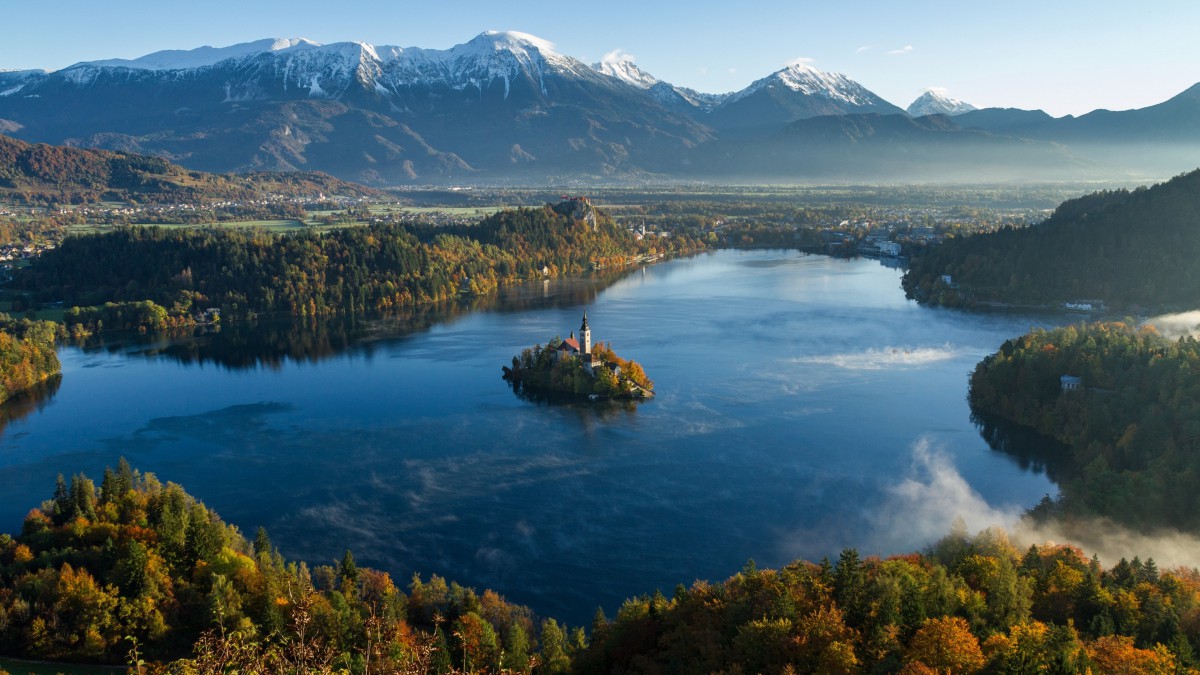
(584, 326)
(570, 343)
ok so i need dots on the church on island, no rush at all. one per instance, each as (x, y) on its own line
(580, 348)
(578, 366)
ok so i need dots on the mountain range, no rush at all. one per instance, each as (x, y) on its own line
(507, 107)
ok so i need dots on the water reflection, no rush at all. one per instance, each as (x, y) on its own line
(586, 409)
(1030, 450)
(29, 401)
(272, 343)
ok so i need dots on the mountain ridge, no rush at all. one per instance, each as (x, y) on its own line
(502, 107)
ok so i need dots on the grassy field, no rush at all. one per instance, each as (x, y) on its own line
(47, 314)
(467, 211)
(268, 225)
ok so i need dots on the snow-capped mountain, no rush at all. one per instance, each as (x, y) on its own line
(680, 99)
(182, 59)
(329, 71)
(935, 101)
(501, 101)
(804, 79)
(621, 66)
(796, 92)
(501, 106)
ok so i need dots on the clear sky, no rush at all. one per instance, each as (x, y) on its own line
(1065, 57)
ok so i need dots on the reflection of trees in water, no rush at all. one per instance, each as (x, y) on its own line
(1029, 449)
(271, 342)
(29, 401)
(587, 409)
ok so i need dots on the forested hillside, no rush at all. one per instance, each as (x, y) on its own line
(1126, 248)
(134, 568)
(134, 564)
(1133, 423)
(38, 172)
(345, 270)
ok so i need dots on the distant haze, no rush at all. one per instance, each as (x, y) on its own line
(1065, 58)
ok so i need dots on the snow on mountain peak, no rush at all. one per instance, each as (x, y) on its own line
(804, 77)
(509, 39)
(937, 101)
(620, 65)
(801, 76)
(180, 59)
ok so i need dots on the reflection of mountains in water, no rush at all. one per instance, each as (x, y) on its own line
(272, 342)
(29, 401)
(1031, 450)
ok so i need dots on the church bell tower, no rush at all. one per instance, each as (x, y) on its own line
(585, 337)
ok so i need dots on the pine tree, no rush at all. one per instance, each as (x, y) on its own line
(262, 543)
(62, 501)
(554, 648)
(348, 574)
(516, 648)
(108, 485)
(440, 662)
(83, 497)
(125, 478)
(599, 625)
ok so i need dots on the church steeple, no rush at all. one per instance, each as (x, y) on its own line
(585, 336)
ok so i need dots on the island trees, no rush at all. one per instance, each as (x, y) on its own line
(601, 375)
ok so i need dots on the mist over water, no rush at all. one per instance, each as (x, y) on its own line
(925, 504)
(803, 406)
(1175, 326)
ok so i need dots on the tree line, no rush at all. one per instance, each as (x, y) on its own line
(1125, 247)
(137, 571)
(1132, 425)
(372, 268)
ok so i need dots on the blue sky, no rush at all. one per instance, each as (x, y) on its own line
(1065, 57)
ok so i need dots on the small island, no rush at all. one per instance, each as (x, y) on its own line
(577, 367)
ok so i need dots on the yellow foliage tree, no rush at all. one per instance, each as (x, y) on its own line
(1115, 654)
(946, 644)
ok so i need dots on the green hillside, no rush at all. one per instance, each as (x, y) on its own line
(38, 172)
(1126, 248)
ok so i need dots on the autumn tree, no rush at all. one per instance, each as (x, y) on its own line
(946, 644)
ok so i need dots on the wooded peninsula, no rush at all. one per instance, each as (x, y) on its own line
(1127, 403)
(27, 355)
(347, 270)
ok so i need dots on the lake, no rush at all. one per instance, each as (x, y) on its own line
(803, 406)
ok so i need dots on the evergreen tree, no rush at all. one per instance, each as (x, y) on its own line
(125, 478)
(849, 586)
(440, 661)
(516, 648)
(63, 504)
(262, 544)
(348, 575)
(554, 657)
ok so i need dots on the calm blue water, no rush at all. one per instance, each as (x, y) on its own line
(803, 406)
